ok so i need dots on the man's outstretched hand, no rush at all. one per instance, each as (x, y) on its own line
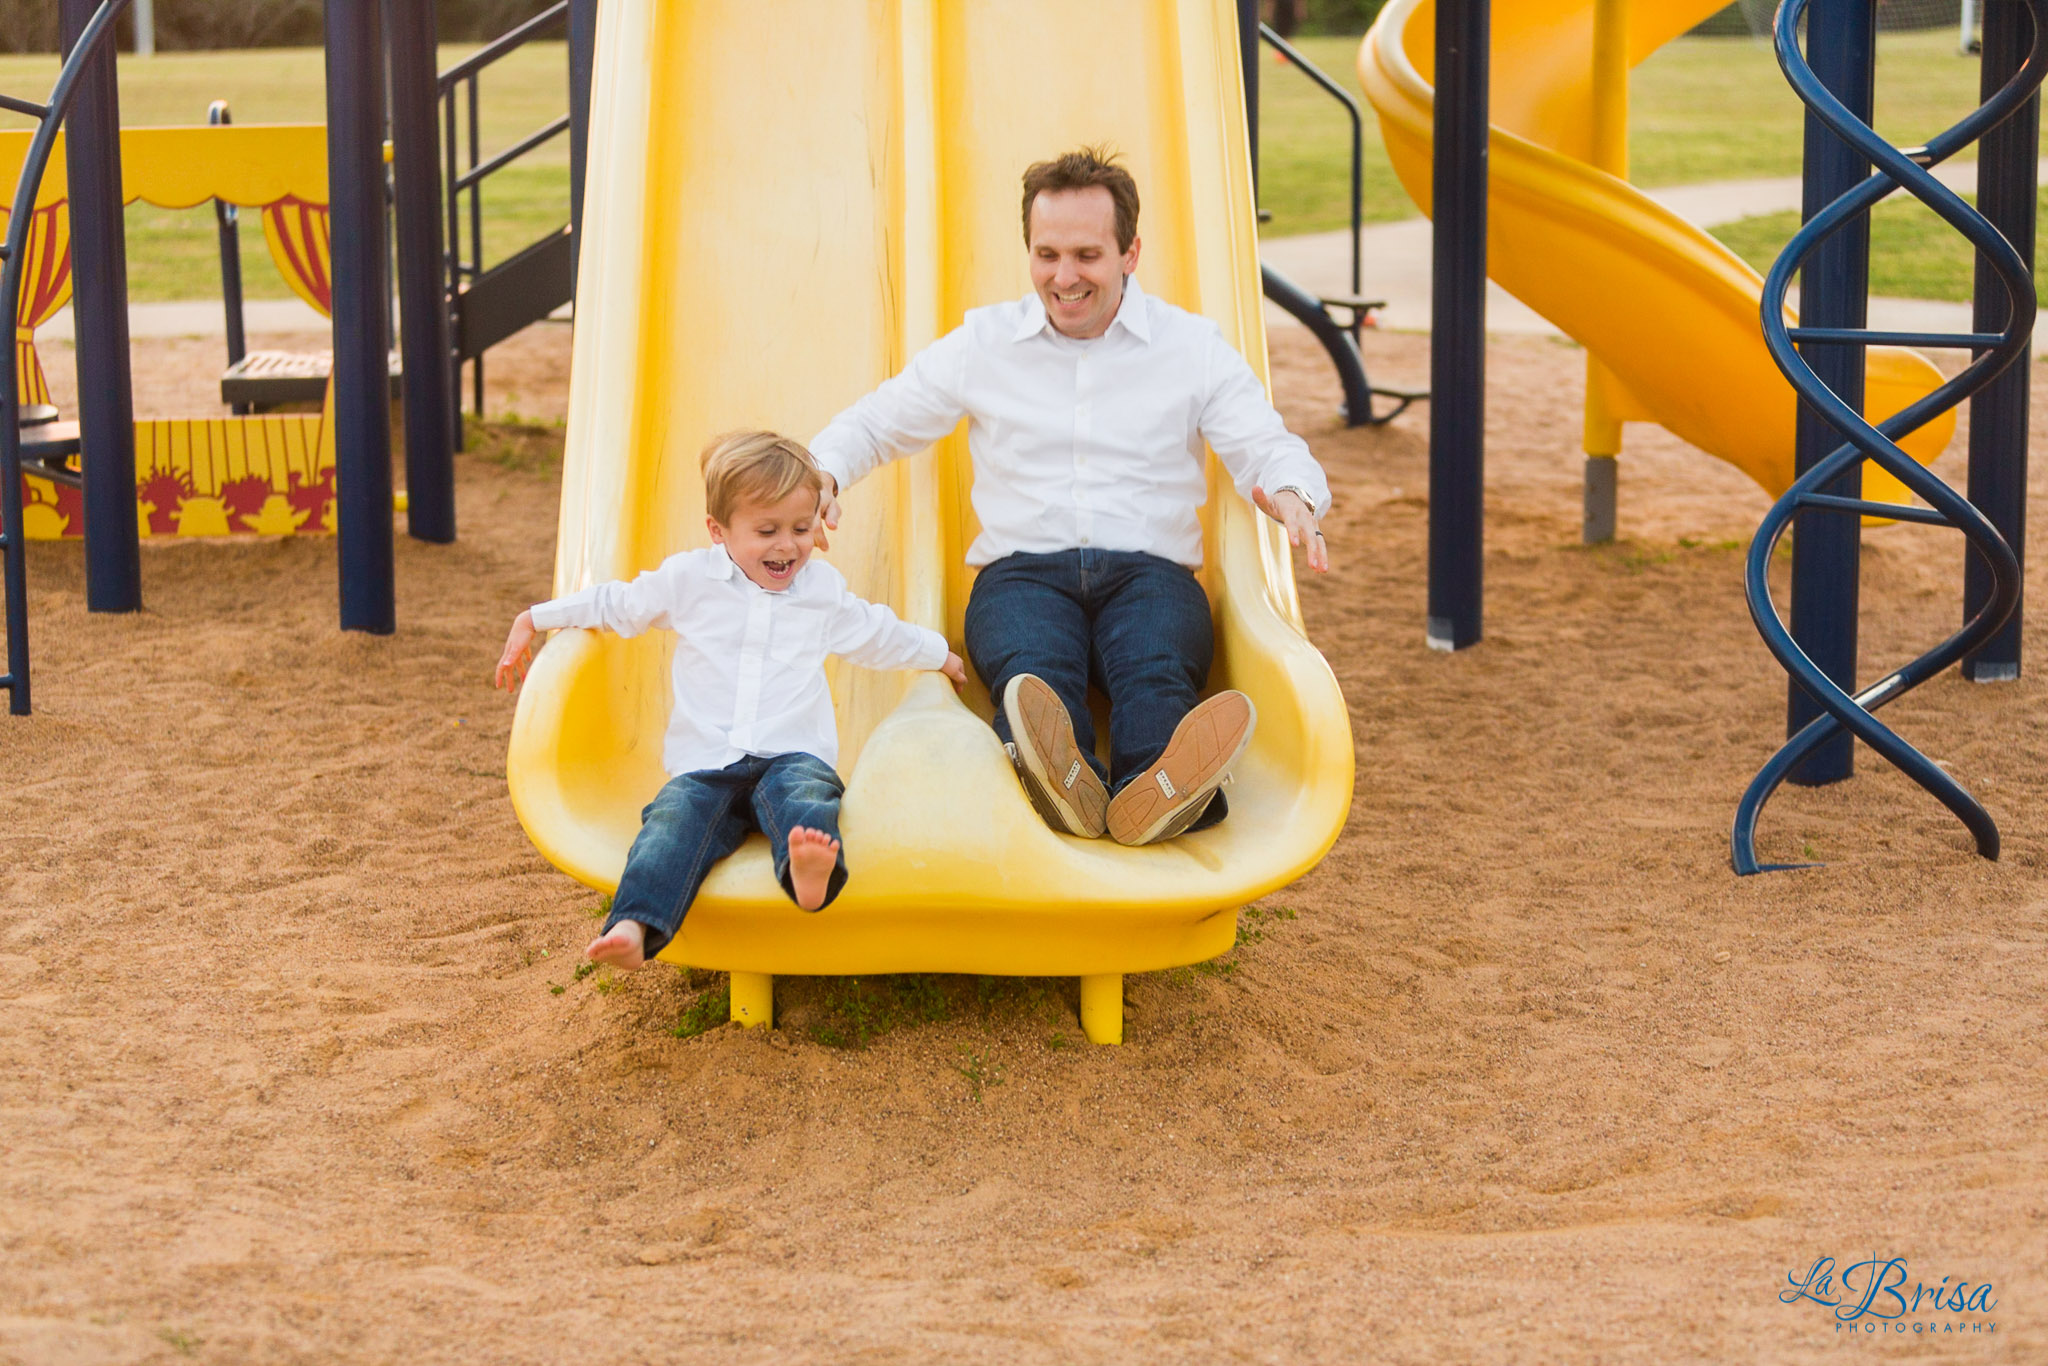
(1287, 508)
(828, 512)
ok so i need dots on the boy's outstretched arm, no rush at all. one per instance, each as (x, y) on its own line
(518, 656)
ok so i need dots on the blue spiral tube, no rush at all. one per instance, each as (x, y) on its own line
(1894, 168)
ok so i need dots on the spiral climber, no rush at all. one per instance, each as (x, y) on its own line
(1893, 168)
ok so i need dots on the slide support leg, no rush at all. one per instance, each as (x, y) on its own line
(1602, 486)
(1102, 1007)
(753, 999)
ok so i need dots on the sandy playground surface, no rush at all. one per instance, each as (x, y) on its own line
(298, 1069)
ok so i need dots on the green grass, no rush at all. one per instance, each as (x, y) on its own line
(1719, 108)
(1704, 109)
(1701, 109)
(1305, 146)
(711, 1008)
(174, 253)
(1913, 254)
(859, 1010)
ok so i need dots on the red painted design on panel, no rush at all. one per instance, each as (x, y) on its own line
(164, 492)
(316, 499)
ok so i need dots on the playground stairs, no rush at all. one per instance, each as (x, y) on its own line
(488, 304)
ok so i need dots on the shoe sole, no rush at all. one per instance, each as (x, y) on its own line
(1063, 788)
(1168, 797)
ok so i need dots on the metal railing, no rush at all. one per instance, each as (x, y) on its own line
(1343, 97)
(460, 89)
(98, 31)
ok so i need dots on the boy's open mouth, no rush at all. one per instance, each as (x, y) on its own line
(778, 569)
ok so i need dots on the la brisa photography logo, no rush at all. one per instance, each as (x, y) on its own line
(1880, 1295)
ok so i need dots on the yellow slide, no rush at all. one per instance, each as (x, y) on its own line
(786, 202)
(1669, 313)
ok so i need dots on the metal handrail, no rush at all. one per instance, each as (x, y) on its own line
(13, 567)
(514, 152)
(227, 220)
(1895, 168)
(460, 84)
(1343, 96)
(502, 44)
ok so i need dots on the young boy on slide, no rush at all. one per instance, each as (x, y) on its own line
(751, 739)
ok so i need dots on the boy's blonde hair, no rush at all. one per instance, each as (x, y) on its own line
(760, 466)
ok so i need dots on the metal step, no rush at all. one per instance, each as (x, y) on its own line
(514, 294)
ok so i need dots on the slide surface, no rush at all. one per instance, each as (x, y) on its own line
(1671, 312)
(786, 202)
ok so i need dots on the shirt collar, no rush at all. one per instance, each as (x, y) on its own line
(1130, 314)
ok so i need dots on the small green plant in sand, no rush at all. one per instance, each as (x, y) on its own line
(183, 1343)
(1057, 1042)
(583, 970)
(859, 1010)
(1254, 923)
(711, 1009)
(513, 443)
(601, 910)
(980, 1072)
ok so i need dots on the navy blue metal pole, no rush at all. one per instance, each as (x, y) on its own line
(1248, 58)
(99, 309)
(1457, 341)
(582, 59)
(422, 305)
(1834, 290)
(362, 376)
(2006, 176)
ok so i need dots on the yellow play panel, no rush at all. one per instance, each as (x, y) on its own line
(785, 203)
(220, 476)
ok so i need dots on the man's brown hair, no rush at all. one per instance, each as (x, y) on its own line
(760, 466)
(1077, 170)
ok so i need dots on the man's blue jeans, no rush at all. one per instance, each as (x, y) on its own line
(1135, 625)
(699, 818)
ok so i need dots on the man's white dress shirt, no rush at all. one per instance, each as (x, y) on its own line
(1092, 443)
(749, 667)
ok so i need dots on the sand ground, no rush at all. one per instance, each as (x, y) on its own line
(298, 1069)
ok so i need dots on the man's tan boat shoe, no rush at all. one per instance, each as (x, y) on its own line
(1063, 787)
(1171, 795)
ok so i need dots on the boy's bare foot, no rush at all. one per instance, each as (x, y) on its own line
(623, 946)
(813, 855)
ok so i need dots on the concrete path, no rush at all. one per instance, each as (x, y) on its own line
(208, 318)
(1396, 258)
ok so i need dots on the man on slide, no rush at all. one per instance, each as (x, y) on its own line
(1088, 404)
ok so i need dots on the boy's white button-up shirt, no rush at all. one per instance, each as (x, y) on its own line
(748, 673)
(1092, 443)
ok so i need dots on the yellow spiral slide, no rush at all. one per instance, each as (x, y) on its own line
(785, 203)
(1668, 314)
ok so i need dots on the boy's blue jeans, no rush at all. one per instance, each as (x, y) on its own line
(699, 818)
(1135, 625)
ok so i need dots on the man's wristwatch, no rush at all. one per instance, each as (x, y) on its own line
(1299, 492)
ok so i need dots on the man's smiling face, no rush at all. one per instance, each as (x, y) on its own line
(1075, 265)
